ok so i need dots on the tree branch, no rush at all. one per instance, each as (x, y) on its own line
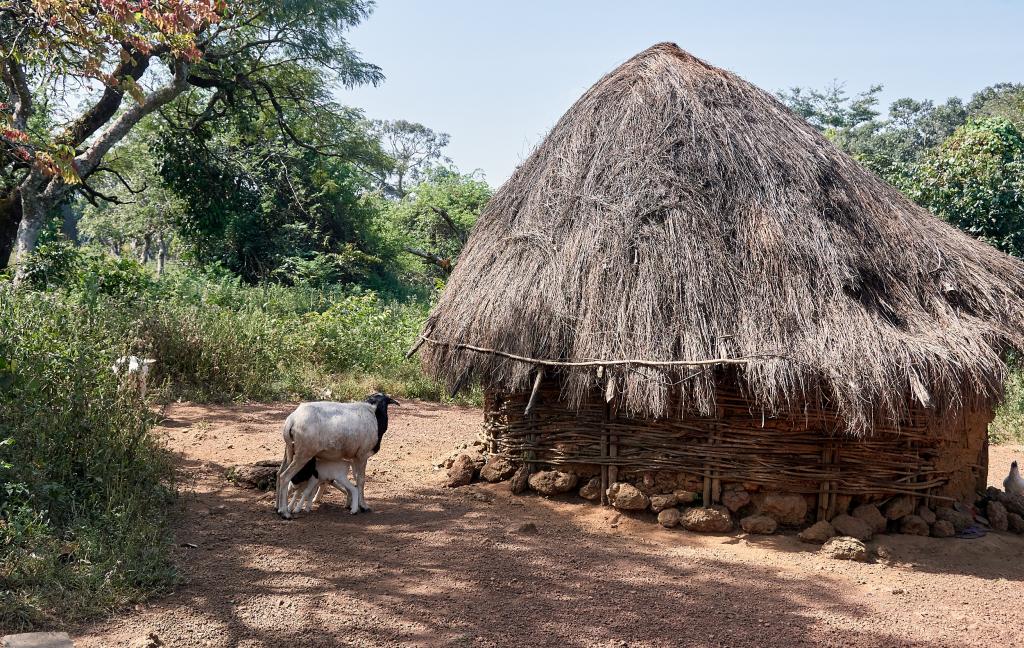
(133, 66)
(444, 264)
(87, 162)
(116, 174)
(456, 230)
(14, 75)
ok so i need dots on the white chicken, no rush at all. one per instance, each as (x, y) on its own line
(1014, 483)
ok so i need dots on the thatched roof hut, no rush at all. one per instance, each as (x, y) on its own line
(679, 227)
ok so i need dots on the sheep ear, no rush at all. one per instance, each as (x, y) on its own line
(392, 401)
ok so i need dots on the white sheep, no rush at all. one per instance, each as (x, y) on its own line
(135, 369)
(330, 431)
(315, 476)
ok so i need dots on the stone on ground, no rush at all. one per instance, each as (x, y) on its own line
(847, 525)
(497, 468)
(591, 490)
(914, 525)
(462, 471)
(552, 482)
(943, 529)
(898, 507)
(997, 516)
(845, 548)
(734, 500)
(714, 519)
(522, 528)
(627, 497)
(1015, 522)
(958, 519)
(663, 501)
(817, 533)
(258, 475)
(686, 497)
(759, 524)
(37, 640)
(518, 482)
(926, 514)
(669, 517)
(871, 516)
(786, 509)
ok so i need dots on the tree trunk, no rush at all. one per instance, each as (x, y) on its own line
(10, 217)
(32, 220)
(69, 222)
(161, 257)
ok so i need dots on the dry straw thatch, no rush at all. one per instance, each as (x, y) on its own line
(677, 212)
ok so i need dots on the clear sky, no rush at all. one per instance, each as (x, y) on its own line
(496, 75)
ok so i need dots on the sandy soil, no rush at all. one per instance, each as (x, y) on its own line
(434, 566)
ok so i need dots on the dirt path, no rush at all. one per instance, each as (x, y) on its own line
(446, 567)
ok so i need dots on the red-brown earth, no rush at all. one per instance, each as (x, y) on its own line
(435, 566)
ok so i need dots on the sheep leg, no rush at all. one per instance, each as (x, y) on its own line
(284, 477)
(359, 472)
(306, 503)
(342, 483)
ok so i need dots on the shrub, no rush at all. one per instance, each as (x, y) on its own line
(83, 508)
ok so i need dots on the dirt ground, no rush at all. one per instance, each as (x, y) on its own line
(434, 566)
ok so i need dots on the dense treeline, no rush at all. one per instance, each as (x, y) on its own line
(179, 181)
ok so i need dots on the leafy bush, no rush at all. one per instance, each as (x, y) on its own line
(83, 507)
(1008, 425)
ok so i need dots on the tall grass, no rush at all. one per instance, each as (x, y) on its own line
(85, 489)
(1008, 425)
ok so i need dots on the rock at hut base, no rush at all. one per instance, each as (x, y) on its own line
(462, 471)
(661, 502)
(870, 515)
(734, 500)
(914, 525)
(898, 507)
(552, 482)
(926, 514)
(591, 490)
(943, 529)
(997, 516)
(497, 468)
(669, 517)
(627, 497)
(519, 479)
(847, 525)
(1015, 522)
(817, 533)
(785, 509)
(714, 519)
(685, 497)
(759, 524)
(845, 548)
(959, 520)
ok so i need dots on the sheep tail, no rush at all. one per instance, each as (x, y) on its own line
(289, 444)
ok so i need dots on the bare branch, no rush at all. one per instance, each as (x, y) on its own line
(456, 230)
(116, 174)
(444, 264)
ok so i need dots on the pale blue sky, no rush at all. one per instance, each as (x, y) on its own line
(497, 75)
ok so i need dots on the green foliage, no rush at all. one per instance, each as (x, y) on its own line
(85, 494)
(1008, 425)
(418, 223)
(58, 263)
(975, 180)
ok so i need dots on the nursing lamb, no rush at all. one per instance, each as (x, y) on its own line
(330, 431)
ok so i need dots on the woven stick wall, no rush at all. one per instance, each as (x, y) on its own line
(795, 455)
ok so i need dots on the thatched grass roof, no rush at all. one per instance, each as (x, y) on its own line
(677, 212)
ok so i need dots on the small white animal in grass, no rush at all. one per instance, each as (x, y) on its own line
(1014, 483)
(133, 371)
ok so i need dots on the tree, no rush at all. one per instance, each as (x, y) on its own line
(832, 109)
(153, 51)
(975, 180)
(432, 222)
(270, 205)
(413, 148)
